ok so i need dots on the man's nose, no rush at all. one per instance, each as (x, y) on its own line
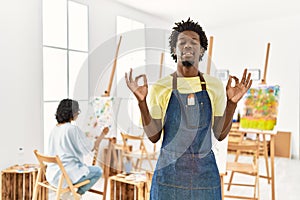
(187, 45)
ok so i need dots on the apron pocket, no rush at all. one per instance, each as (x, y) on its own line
(195, 115)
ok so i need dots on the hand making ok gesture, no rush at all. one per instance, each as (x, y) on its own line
(236, 92)
(140, 91)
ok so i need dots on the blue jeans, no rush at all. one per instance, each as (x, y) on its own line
(93, 176)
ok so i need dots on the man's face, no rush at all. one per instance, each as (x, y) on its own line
(188, 48)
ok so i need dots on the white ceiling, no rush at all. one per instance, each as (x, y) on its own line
(216, 13)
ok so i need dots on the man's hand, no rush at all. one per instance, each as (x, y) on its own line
(140, 92)
(236, 92)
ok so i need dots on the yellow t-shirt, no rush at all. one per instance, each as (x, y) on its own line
(161, 92)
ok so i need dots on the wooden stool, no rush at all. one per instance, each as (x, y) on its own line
(122, 189)
(17, 182)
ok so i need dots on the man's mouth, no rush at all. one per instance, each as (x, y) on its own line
(187, 53)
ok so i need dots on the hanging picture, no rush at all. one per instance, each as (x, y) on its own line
(260, 108)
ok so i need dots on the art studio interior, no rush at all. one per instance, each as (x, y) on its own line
(81, 49)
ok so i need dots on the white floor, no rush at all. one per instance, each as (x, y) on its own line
(287, 182)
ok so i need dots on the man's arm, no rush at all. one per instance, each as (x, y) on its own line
(152, 127)
(222, 125)
(234, 93)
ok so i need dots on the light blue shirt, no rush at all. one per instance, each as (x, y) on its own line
(70, 144)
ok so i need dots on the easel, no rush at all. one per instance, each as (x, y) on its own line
(208, 67)
(264, 80)
(272, 142)
(107, 92)
(162, 56)
(106, 165)
(270, 178)
(111, 141)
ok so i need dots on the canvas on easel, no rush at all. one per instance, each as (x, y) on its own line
(103, 112)
(260, 107)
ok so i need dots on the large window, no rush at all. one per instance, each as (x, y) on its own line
(65, 57)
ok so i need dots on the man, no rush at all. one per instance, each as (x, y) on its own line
(186, 106)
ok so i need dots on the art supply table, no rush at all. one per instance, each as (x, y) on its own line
(125, 189)
(17, 182)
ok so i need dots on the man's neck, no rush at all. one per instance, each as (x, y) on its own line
(187, 71)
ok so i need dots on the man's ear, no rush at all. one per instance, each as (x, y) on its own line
(202, 50)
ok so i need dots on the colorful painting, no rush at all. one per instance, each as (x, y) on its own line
(103, 113)
(260, 108)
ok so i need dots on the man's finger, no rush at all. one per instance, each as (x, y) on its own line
(248, 79)
(236, 80)
(249, 85)
(145, 80)
(130, 75)
(244, 76)
(140, 76)
(126, 79)
(229, 82)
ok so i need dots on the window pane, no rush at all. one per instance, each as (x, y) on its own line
(78, 26)
(78, 75)
(55, 74)
(55, 23)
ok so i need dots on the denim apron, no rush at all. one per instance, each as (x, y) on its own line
(186, 168)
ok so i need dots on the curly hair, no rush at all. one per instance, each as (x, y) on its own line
(189, 25)
(66, 110)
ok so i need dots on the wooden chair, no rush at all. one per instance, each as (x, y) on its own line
(43, 160)
(140, 154)
(250, 168)
(149, 175)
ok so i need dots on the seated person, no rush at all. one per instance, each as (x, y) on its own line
(71, 144)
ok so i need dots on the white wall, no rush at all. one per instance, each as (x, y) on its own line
(20, 80)
(244, 45)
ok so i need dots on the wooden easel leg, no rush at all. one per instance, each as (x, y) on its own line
(272, 166)
(266, 157)
(107, 161)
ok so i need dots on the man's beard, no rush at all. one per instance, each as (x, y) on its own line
(187, 63)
